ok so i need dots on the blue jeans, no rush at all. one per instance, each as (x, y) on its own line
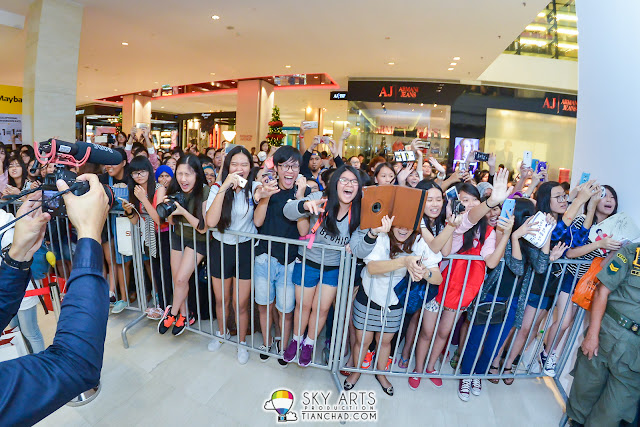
(492, 337)
(269, 288)
(27, 320)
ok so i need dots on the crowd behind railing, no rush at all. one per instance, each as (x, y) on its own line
(270, 245)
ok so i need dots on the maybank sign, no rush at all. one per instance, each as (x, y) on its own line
(10, 99)
(10, 114)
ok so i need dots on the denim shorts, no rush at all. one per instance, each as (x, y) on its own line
(274, 287)
(312, 276)
(534, 300)
(567, 283)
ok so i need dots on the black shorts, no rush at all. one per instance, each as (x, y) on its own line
(177, 243)
(243, 270)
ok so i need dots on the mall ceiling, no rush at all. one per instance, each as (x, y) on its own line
(178, 43)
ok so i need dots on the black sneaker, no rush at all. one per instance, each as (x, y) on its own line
(166, 321)
(178, 328)
(277, 350)
(264, 356)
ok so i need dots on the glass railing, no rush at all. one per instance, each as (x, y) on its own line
(553, 33)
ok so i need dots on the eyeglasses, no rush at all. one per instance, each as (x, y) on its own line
(289, 167)
(139, 173)
(561, 198)
(345, 181)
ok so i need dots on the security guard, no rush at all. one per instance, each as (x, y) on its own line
(606, 385)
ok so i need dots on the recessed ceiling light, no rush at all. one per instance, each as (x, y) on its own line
(213, 74)
(162, 106)
(315, 77)
(435, 105)
(287, 66)
(115, 90)
(215, 17)
(456, 58)
(391, 63)
(125, 44)
(422, 105)
(155, 82)
(454, 63)
(450, 69)
(86, 96)
(337, 117)
(412, 109)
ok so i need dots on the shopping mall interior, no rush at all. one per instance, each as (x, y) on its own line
(500, 74)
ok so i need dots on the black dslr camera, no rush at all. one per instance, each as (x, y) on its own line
(457, 207)
(167, 208)
(52, 201)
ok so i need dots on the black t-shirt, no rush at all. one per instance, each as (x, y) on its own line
(119, 187)
(276, 224)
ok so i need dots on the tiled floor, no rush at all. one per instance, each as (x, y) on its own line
(169, 381)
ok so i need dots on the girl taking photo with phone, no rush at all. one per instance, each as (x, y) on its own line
(186, 251)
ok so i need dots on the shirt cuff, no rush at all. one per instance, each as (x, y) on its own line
(301, 206)
(368, 239)
(88, 254)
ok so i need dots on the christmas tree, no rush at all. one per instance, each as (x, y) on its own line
(275, 135)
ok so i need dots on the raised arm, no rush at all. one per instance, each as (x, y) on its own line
(498, 195)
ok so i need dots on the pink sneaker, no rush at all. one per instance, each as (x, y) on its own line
(436, 381)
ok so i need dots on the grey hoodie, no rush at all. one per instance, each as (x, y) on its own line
(361, 244)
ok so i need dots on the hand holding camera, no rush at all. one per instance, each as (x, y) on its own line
(177, 208)
(87, 212)
(505, 224)
(29, 230)
(345, 135)
(232, 182)
(416, 269)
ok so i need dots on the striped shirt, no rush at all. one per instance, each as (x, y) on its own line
(581, 269)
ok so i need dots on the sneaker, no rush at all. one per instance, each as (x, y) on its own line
(476, 387)
(543, 357)
(436, 381)
(277, 350)
(264, 357)
(112, 298)
(290, 352)
(243, 353)
(119, 306)
(215, 344)
(167, 320)
(305, 355)
(550, 364)
(368, 358)
(414, 382)
(389, 363)
(464, 389)
(154, 313)
(178, 328)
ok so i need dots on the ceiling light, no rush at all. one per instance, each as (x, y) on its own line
(456, 58)
(162, 106)
(565, 17)
(568, 31)
(115, 90)
(454, 63)
(412, 109)
(569, 46)
(450, 69)
(391, 63)
(215, 17)
(308, 109)
(422, 105)
(287, 66)
(229, 134)
(541, 15)
(315, 77)
(213, 74)
(534, 27)
(125, 44)
(435, 105)
(337, 117)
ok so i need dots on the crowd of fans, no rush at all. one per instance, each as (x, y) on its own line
(299, 192)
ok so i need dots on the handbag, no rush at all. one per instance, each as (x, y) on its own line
(586, 287)
(124, 228)
(416, 294)
(484, 309)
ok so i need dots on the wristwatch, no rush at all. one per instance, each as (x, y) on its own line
(441, 175)
(18, 265)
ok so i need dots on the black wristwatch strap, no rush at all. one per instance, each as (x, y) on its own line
(19, 265)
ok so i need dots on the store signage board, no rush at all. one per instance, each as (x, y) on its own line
(338, 95)
(561, 104)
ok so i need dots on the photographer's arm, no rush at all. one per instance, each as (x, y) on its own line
(72, 364)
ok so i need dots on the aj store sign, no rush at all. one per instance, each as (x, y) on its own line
(10, 113)
(560, 104)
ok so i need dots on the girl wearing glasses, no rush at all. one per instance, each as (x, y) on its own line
(144, 192)
(336, 221)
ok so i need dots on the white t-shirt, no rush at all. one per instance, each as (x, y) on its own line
(241, 215)
(377, 286)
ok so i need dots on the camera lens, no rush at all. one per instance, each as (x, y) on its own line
(376, 207)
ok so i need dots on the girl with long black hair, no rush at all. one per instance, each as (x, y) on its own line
(188, 182)
(230, 208)
(17, 175)
(336, 219)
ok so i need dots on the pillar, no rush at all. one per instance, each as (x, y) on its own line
(255, 106)
(136, 110)
(51, 70)
(606, 136)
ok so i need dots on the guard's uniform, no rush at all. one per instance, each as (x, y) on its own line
(606, 388)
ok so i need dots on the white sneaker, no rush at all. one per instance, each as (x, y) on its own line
(550, 364)
(215, 344)
(243, 353)
(463, 389)
(476, 387)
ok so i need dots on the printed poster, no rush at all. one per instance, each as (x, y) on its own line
(10, 113)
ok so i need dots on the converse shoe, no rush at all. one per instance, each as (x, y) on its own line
(243, 353)
(476, 387)
(112, 298)
(436, 381)
(264, 356)
(215, 344)
(276, 348)
(550, 365)
(290, 352)
(464, 389)
(414, 382)
(166, 321)
(306, 353)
